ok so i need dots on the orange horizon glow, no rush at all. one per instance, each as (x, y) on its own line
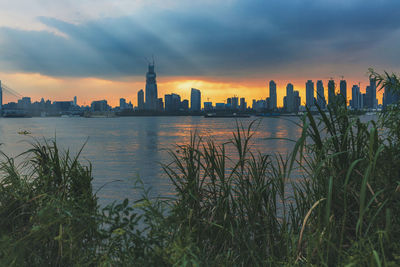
(215, 90)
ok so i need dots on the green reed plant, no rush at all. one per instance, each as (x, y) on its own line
(332, 201)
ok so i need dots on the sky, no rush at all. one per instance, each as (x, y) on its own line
(98, 49)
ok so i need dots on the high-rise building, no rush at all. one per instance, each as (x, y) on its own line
(370, 91)
(331, 91)
(289, 103)
(1, 100)
(160, 104)
(356, 97)
(100, 105)
(297, 101)
(195, 100)
(309, 93)
(122, 103)
(243, 104)
(172, 102)
(151, 89)
(140, 99)
(235, 102)
(390, 97)
(272, 95)
(343, 89)
(208, 106)
(321, 95)
(75, 101)
(372, 96)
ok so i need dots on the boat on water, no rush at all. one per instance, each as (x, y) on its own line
(24, 132)
(226, 115)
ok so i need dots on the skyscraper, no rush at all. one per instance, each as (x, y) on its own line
(356, 97)
(1, 100)
(172, 102)
(374, 101)
(296, 101)
(370, 91)
(140, 99)
(343, 89)
(75, 101)
(122, 103)
(235, 102)
(195, 100)
(309, 93)
(331, 91)
(321, 94)
(151, 89)
(289, 103)
(390, 97)
(243, 104)
(272, 95)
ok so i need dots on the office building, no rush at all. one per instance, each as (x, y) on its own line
(75, 101)
(321, 95)
(151, 89)
(272, 95)
(235, 102)
(160, 104)
(140, 99)
(122, 103)
(343, 89)
(372, 102)
(297, 101)
(289, 98)
(331, 91)
(208, 106)
(172, 102)
(100, 105)
(390, 97)
(309, 94)
(195, 100)
(243, 104)
(356, 97)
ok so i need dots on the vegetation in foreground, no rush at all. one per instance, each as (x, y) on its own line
(253, 211)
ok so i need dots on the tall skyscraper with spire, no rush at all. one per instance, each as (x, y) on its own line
(151, 88)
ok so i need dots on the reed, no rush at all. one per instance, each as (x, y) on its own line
(332, 201)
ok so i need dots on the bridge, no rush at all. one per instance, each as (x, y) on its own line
(7, 90)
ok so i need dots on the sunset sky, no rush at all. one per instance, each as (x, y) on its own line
(97, 49)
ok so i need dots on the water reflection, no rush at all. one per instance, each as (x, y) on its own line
(125, 148)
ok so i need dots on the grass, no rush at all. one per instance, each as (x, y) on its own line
(249, 210)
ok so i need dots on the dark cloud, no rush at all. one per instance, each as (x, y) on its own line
(250, 37)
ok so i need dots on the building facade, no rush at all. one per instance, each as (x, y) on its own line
(195, 100)
(151, 89)
(272, 95)
(310, 94)
(321, 95)
(140, 99)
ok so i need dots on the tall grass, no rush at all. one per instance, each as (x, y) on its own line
(251, 209)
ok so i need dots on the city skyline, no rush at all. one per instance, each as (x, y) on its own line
(97, 49)
(185, 92)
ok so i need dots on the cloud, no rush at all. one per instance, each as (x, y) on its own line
(241, 38)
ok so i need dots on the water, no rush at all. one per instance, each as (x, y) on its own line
(124, 148)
